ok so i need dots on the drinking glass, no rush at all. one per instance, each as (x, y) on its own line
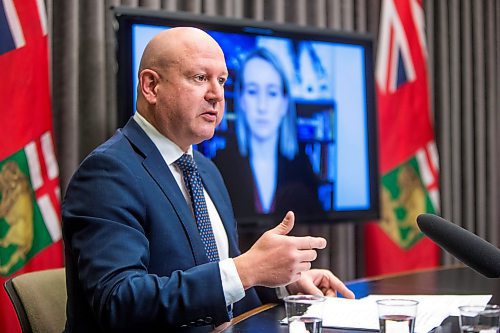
(397, 315)
(479, 318)
(304, 313)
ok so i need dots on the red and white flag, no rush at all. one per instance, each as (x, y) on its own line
(408, 154)
(30, 228)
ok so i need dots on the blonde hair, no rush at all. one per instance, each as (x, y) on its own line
(288, 145)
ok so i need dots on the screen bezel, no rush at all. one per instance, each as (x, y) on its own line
(126, 17)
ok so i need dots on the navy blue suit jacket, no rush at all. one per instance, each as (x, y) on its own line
(134, 257)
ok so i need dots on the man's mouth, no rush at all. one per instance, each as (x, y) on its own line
(210, 115)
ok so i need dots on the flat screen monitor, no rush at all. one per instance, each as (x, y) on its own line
(299, 130)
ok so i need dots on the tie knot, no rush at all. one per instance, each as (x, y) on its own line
(186, 163)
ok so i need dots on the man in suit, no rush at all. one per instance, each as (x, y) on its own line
(135, 258)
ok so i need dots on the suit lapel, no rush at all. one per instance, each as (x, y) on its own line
(159, 171)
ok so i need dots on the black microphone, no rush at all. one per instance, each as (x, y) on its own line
(467, 247)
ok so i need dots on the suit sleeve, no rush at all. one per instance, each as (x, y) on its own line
(107, 245)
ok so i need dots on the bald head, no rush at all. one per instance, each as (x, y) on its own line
(181, 85)
(169, 47)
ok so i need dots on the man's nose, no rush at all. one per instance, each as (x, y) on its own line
(215, 92)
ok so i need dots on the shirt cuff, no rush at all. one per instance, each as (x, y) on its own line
(282, 292)
(231, 282)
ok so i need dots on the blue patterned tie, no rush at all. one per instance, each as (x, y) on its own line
(194, 185)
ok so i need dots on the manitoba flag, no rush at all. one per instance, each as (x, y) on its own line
(30, 229)
(408, 155)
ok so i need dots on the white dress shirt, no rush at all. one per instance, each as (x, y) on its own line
(231, 283)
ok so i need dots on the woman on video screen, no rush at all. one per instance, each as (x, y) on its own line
(270, 175)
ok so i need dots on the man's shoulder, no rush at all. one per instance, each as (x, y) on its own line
(115, 145)
(124, 140)
(117, 150)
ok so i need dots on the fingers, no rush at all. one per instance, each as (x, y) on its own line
(309, 243)
(303, 267)
(303, 243)
(329, 292)
(336, 285)
(311, 289)
(307, 255)
(285, 226)
(320, 282)
(346, 292)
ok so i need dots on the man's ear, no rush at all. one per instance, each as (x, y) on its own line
(148, 80)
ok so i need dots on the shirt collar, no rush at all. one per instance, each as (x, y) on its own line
(168, 149)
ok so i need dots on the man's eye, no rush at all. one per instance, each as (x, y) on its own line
(200, 78)
(222, 81)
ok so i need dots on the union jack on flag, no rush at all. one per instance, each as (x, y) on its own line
(11, 31)
(10, 28)
(395, 65)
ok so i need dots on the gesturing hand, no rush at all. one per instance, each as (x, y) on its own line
(277, 259)
(319, 282)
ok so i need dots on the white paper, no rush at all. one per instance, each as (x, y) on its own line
(362, 313)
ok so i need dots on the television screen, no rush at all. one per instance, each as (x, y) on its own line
(299, 130)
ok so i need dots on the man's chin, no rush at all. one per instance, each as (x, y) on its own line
(205, 136)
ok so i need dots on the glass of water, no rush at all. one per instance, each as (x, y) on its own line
(304, 313)
(397, 315)
(479, 318)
